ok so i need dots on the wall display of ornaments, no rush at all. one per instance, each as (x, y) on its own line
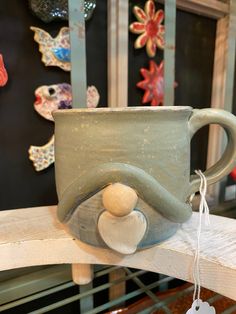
(55, 52)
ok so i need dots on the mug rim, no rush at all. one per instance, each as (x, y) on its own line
(123, 109)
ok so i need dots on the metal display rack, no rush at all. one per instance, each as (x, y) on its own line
(82, 300)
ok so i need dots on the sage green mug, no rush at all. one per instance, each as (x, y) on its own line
(144, 148)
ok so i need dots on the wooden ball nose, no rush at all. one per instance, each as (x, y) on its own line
(119, 199)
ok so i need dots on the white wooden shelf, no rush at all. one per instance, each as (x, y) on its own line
(33, 236)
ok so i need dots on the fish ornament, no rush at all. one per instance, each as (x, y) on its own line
(55, 51)
(42, 156)
(50, 10)
(52, 97)
(48, 99)
(3, 73)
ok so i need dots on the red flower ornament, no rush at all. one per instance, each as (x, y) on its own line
(149, 27)
(3, 72)
(233, 174)
(153, 84)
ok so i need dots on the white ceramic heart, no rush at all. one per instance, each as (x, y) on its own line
(122, 234)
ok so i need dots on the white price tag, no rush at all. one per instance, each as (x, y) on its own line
(199, 307)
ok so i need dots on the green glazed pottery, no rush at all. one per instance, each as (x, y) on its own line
(123, 174)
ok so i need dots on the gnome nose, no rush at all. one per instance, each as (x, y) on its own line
(119, 199)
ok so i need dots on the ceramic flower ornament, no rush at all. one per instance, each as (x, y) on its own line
(153, 84)
(3, 72)
(55, 51)
(48, 99)
(233, 174)
(149, 27)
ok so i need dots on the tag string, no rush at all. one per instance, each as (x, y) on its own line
(203, 209)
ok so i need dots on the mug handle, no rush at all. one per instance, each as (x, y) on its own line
(227, 162)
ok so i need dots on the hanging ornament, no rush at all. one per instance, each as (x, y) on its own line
(42, 156)
(50, 10)
(3, 72)
(52, 97)
(153, 84)
(48, 99)
(55, 51)
(149, 27)
(233, 174)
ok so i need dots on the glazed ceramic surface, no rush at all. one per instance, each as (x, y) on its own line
(156, 141)
(147, 149)
(55, 50)
(50, 10)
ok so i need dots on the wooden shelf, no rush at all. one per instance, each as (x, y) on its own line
(33, 236)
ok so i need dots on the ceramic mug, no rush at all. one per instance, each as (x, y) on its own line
(144, 148)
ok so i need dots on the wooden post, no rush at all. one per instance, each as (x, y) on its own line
(222, 89)
(118, 31)
(82, 274)
(78, 53)
(169, 52)
(118, 290)
(118, 34)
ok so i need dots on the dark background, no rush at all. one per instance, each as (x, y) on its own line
(21, 126)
